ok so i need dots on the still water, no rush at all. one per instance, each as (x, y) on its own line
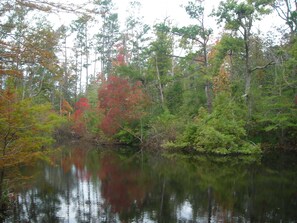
(85, 184)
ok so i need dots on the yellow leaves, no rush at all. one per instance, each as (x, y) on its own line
(221, 82)
(24, 128)
(17, 158)
(66, 109)
(16, 73)
(213, 52)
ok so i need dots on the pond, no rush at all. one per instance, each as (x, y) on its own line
(86, 184)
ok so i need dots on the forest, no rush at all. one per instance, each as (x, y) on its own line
(235, 93)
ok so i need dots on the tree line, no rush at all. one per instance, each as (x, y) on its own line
(93, 79)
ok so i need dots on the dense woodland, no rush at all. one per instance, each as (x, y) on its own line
(91, 79)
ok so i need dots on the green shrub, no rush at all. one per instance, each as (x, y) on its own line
(221, 132)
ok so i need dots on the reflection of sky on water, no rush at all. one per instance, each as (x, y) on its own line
(84, 202)
(89, 202)
(112, 188)
(185, 212)
(94, 203)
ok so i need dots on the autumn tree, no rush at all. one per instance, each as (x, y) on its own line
(26, 129)
(79, 116)
(122, 104)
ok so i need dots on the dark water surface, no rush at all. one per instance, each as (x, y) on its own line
(85, 184)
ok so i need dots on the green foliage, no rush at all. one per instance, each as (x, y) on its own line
(276, 111)
(174, 97)
(237, 15)
(25, 128)
(129, 134)
(221, 132)
(163, 128)
(227, 45)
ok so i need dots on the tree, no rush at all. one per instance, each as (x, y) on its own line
(160, 61)
(22, 123)
(240, 17)
(221, 132)
(82, 47)
(79, 116)
(135, 38)
(25, 130)
(122, 104)
(287, 11)
(108, 35)
(198, 34)
(275, 111)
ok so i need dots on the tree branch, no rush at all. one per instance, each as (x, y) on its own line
(181, 57)
(262, 67)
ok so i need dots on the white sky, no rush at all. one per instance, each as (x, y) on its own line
(154, 11)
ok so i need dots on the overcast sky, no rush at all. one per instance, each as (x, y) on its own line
(156, 10)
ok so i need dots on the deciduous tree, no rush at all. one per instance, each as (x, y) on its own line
(122, 104)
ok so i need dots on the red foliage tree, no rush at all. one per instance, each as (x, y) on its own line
(81, 107)
(121, 103)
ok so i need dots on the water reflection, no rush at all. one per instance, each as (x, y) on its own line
(89, 185)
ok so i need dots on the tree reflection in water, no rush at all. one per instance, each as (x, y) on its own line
(88, 185)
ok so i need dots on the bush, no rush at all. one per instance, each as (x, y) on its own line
(221, 132)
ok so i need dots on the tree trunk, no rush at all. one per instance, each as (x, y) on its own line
(2, 202)
(248, 74)
(160, 84)
(207, 84)
(87, 59)
(208, 96)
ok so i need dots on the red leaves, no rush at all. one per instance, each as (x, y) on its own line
(121, 103)
(127, 183)
(81, 107)
(82, 104)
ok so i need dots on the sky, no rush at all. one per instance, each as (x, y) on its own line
(154, 11)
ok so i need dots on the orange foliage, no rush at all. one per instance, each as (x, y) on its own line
(11, 72)
(221, 82)
(66, 108)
